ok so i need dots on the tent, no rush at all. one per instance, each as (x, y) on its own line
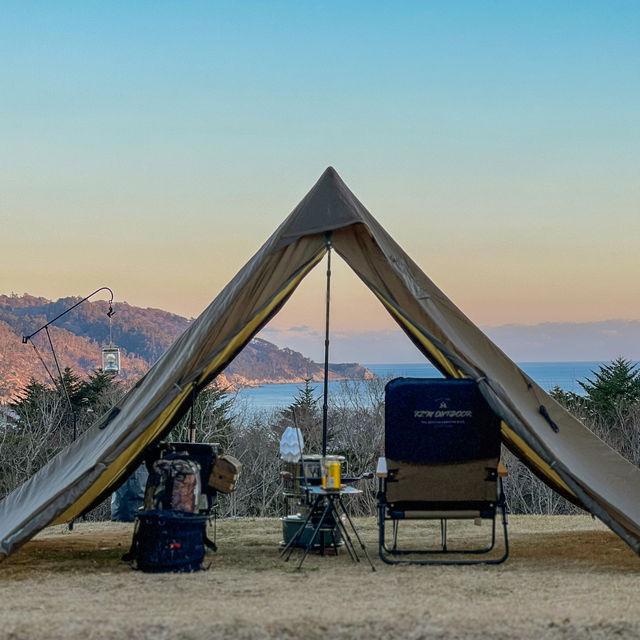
(551, 442)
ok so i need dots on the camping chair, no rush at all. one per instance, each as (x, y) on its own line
(442, 451)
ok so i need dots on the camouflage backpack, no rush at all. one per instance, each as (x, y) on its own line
(173, 484)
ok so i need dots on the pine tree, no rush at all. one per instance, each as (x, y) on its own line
(305, 413)
(305, 403)
(70, 386)
(29, 402)
(614, 389)
(573, 402)
(91, 391)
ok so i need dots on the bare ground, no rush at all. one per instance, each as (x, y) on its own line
(567, 577)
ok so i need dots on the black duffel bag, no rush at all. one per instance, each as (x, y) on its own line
(169, 541)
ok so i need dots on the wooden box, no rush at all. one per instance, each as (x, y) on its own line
(224, 474)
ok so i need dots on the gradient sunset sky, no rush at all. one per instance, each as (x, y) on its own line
(153, 146)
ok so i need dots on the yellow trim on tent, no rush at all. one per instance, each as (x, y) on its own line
(250, 328)
(117, 467)
(534, 459)
(427, 344)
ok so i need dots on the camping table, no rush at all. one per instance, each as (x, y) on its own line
(328, 503)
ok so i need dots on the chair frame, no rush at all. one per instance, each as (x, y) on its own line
(386, 513)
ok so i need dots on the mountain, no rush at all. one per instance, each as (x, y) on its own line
(144, 332)
(262, 362)
(142, 336)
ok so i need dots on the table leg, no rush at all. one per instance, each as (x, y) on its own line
(355, 531)
(347, 539)
(326, 510)
(291, 544)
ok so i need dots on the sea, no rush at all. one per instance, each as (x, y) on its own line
(270, 397)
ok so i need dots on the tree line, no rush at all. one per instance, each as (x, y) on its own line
(43, 420)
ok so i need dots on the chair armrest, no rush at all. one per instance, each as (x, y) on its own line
(502, 471)
(381, 469)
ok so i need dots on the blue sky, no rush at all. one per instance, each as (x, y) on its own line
(144, 143)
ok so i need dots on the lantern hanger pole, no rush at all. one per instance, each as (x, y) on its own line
(45, 327)
(26, 339)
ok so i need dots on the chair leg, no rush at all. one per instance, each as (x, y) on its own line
(382, 549)
(386, 553)
(503, 509)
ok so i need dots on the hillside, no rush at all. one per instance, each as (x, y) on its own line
(264, 362)
(142, 335)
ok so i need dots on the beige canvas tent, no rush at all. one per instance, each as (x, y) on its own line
(557, 447)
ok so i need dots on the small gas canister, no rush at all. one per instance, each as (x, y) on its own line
(331, 472)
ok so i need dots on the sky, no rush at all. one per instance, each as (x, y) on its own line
(154, 146)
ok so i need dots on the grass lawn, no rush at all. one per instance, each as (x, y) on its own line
(567, 577)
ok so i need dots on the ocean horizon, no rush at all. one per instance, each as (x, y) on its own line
(547, 374)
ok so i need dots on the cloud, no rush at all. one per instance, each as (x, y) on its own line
(569, 341)
(546, 342)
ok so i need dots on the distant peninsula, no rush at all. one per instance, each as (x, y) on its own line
(143, 335)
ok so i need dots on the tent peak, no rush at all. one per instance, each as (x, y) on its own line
(329, 205)
(330, 176)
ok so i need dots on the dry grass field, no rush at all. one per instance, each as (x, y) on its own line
(567, 577)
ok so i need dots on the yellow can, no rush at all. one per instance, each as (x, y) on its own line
(331, 475)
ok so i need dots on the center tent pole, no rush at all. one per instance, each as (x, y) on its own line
(326, 350)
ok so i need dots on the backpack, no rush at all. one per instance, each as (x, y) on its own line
(169, 541)
(173, 484)
(170, 534)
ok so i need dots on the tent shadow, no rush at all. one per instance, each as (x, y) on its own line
(600, 551)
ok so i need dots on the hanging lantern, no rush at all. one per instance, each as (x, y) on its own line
(111, 354)
(111, 360)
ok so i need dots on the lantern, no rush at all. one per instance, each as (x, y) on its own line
(111, 360)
